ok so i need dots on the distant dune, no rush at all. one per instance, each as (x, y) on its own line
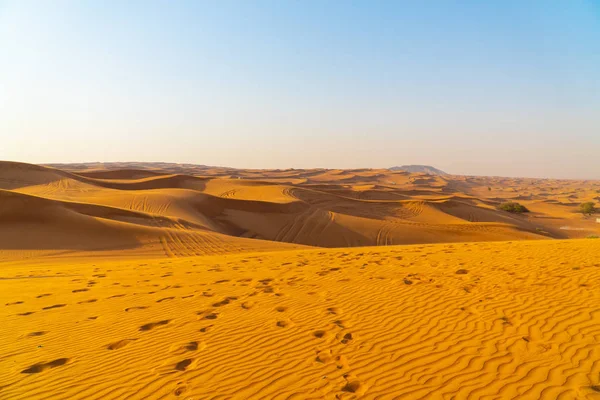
(195, 210)
(425, 169)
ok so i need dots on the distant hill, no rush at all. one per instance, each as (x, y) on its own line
(427, 169)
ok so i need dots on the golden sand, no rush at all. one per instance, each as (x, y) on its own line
(474, 320)
(147, 284)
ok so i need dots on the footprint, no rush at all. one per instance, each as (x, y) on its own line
(319, 334)
(347, 337)
(180, 390)
(282, 324)
(39, 333)
(353, 386)
(206, 329)
(135, 308)
(40, 367)
(88, 301)
(187, 347)
(79, 290)
(225, 301)
(280, 309)
(119, 344)
(43, 295)
(323, 356)
(339, 323)
(333, 310)
(191, 346)
(342, 362)
(54, 306)
(15, 303)
(153, 325)
(183, 364)
(247, 305)
(207, 314)
(115, 296)
(166, 298)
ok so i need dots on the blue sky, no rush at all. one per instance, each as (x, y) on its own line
(492, 88)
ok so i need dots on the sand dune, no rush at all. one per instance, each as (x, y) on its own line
(324, 208)
(120, 174)
(160, 281)
(32, 226)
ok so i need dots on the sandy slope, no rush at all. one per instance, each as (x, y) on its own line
(473, 320)
(32, 227)
(201, 210)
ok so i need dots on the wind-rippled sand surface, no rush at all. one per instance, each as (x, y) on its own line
(474, 320)
(169, 281)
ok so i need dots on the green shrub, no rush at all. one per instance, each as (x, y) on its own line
(587, 208)
(513, 207)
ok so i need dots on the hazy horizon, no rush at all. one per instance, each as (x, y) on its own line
(88, 163)
(494, 88)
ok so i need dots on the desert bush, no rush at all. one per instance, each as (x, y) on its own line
(587, 208)
(513, 207)
(593, 237)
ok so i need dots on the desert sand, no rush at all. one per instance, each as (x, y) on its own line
(139, 280)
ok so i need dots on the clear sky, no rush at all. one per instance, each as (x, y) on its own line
(472, 87)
